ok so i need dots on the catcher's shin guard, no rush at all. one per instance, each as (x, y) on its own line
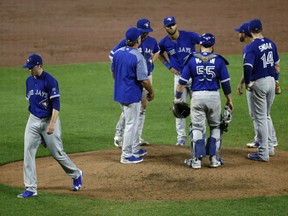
(200, 151)
(211, 146)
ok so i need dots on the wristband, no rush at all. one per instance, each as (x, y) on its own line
(167, 64)
(178, 94)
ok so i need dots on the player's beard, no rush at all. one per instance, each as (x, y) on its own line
(242, 38)
(172, 33)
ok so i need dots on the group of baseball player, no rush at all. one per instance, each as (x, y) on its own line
(198, 75)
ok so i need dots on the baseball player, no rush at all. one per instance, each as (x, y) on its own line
(130, 74)
(207, 70)
(43, 126)
(150, 50)
(261, 62)
(246, 37)
(174, 49)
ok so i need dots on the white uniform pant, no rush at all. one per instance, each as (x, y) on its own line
(131, 136)
(35, 134)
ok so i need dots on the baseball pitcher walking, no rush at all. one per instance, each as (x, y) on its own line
(43, 126)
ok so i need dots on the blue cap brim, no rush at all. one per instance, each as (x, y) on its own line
(237, 29)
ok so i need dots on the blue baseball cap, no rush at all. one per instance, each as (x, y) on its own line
(244, 28)
(255, 25)
(169, 20)
(33, 60)
(207, 39)
(132, 34)
(143, 25)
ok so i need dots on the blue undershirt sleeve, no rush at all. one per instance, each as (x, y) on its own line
(56, 103)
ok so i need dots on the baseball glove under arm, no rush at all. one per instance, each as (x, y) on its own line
(181, 110)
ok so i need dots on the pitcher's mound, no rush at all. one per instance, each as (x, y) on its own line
(161, 176)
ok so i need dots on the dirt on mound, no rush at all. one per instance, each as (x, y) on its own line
(162, 176)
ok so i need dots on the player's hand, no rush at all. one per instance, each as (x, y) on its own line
(175, 72)
(177, 100)
(230, 105)
(240, 89)
(150, 96)
(51, 128)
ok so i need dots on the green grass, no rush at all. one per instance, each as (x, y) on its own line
(89, 115)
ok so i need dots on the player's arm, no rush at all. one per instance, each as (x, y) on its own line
(240, 86)
(51, 126)
(227, 91)
(164, 60)
(147, 85)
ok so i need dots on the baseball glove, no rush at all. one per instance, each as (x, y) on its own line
(181, 110)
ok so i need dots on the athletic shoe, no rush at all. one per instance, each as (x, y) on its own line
(194, 163)
(215, 162)
(131, 160)
(140, 153)
(254, 144)
(275, 144)
(77, 182)
(255, 157)
(27, 194)
(143, 142)
(118, 140)
(181, 142)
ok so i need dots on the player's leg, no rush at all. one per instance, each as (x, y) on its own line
(32, 140)
(180, 122)
(198, 120)
(262, 103)
(55, 146)
(118, 138)
(213, 146)
(131, 136)
(255, 143)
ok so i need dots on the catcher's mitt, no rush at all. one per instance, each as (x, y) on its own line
(181, 110)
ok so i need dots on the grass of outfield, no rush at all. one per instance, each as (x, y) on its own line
(89, 115)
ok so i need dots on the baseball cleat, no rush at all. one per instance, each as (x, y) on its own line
(216, 162)
(275, 144)
(254, 144)
(181, 142)
(140, 153)
(77, 182)
(27, 194)
(256, 157)
(193, 163)
(131, 160)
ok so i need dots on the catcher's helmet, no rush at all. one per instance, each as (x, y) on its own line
(181, 110)
(207, 40)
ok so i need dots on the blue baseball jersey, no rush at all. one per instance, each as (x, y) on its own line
(261, 55)
(147, 48)
(129, 68)
(179, 50)
(39, 92)
(205, 75)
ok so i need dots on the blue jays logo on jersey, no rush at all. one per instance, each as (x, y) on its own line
(44, 103)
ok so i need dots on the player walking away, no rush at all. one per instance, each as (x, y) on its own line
(246, 37)
(174, 49)
(150, 50)
(130, 75)
(261, 62)
(43, 126)
(207, 70)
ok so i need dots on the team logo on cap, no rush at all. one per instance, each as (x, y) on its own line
(169, 19)
(146, 25)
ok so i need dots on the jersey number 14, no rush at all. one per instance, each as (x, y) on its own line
(267, 60)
